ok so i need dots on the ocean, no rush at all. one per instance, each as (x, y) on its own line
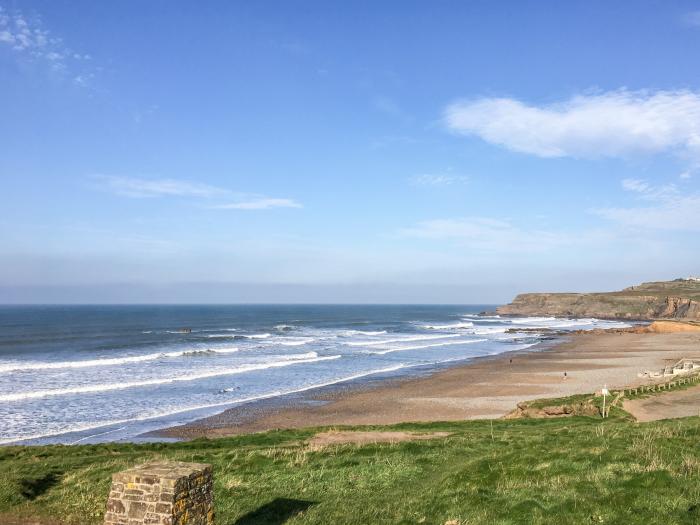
(88, 374)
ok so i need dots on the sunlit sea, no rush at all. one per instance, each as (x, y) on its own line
(86, 374)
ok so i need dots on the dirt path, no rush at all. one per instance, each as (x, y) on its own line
(668, 405)
(363, 438)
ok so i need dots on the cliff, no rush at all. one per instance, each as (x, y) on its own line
(678, 299)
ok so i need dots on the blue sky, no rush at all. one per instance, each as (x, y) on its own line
(345, 152)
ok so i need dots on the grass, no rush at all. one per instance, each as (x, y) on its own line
(564, 471)
(677, 386)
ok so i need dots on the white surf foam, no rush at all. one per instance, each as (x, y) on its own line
(111, 361)
(310, 357)
(298, 342)
(453, 326)
(363, 332)
(206, 351)
(485, 330)
(531, 320)
(86, 427)
(401, 340)
(237, 336)
(420, 347)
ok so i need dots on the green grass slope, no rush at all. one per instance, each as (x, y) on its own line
(677, 288)
(679, 299)
(559, 471)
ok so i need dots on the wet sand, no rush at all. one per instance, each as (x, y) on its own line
(484, 388)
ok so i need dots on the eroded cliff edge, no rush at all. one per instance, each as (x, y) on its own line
(679, 299)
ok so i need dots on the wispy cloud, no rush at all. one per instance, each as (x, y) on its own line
(263, 203)
(148, 188)
(27, 37)
(390, 107)
(142, 188)
(17, 31)
(692, 18)
(437, 179)
(386, 141)
(661, 208)
(486, 234)
(612, 124)
(640, 186)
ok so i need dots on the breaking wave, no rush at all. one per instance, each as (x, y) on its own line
(401, 340)
(420, 347)
(453, 326)
(310, 357)
(112, 361)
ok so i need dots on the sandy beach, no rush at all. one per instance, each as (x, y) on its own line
(484, 388)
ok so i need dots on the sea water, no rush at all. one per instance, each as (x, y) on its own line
(83, 374)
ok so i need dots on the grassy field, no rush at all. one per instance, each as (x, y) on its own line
(568, 470)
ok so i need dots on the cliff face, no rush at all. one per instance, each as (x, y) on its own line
(662, 300)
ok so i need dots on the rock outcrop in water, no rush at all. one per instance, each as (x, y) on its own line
(679, 299)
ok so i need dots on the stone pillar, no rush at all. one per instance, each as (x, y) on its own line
(162, 493)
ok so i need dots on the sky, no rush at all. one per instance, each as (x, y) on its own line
(332, 152)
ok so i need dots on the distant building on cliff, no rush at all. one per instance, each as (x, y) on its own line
(693, 278)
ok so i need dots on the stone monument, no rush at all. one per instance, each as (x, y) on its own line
(162, 493)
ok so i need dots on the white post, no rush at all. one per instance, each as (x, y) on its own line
(605, 393)
(603, 406)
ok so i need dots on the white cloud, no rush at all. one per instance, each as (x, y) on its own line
(437, 179)
(16, 32)
(140, 188)
(263, 203)
(613, 124)
(637, 185)
(662, 208)
(84, 79)
(145, 188)
(22, 35)
(27, 37)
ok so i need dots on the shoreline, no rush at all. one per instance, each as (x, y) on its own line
(484, 387)
(250, 412)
